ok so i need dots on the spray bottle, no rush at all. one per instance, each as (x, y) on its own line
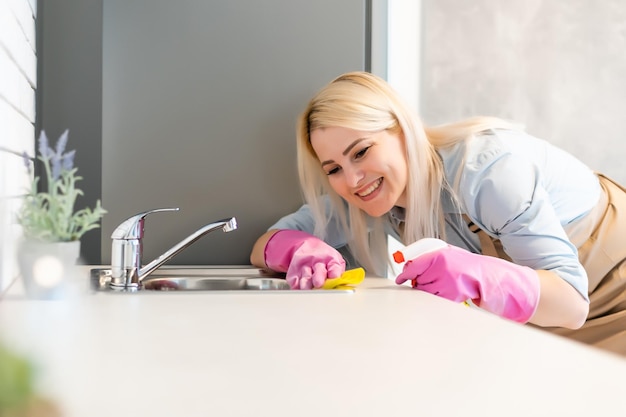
(419, 248)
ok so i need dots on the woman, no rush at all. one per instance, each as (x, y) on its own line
(532, 233)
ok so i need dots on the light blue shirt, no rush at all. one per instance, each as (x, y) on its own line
(517, 188)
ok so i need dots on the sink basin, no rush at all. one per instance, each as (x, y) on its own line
(212, 279)
(213, 284)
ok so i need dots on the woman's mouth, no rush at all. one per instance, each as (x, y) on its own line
(368, 192)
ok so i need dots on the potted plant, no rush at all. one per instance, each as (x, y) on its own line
(19, 396)
(51, 227)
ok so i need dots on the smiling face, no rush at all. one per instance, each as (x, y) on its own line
(368, 170)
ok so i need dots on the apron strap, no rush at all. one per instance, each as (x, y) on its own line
(488, 245)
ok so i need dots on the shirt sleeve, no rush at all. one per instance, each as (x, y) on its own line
(503, 194)
(303, 220)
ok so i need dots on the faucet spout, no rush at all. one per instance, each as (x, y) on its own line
(127, 248)
(227, 225)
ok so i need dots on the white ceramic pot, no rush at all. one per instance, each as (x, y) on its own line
(46, 267)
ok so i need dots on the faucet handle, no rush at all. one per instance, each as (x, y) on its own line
(132, 228)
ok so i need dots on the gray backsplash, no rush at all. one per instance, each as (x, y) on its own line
(200, 101)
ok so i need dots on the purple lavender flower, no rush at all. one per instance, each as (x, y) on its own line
(44, 148)
(61, 143)
(57, 160)
(68, 160)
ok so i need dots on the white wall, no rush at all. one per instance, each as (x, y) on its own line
(404, 48)
(18, 73)
(556, 66)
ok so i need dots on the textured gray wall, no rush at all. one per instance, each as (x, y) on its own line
(557, 66)
(199, 107)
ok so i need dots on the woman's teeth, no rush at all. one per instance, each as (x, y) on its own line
(369, 190)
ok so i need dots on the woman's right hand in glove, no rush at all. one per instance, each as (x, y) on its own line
(307, 260)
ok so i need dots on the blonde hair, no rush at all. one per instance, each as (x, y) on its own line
(365, 102)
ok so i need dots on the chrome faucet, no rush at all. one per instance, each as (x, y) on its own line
(127, 249)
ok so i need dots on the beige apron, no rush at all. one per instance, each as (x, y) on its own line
(601, 241)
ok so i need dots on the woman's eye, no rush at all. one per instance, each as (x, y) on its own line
(361, 153)
(332, 171)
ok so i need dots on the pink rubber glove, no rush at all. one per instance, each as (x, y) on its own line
(307, 260)
(498, 286)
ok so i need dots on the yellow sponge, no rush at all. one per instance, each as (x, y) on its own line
(348, 279)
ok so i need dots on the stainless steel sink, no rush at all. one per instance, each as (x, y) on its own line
(212, 279)
(214, 284)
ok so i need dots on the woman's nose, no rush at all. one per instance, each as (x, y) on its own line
(354, 176)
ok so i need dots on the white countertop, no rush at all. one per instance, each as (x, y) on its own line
(384, 350)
